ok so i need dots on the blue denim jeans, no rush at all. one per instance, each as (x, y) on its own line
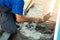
(7, 22)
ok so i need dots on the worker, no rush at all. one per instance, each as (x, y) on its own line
(9, 7)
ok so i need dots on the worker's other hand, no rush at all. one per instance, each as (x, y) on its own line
(46, 17)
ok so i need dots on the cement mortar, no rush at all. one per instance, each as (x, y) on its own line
(32, 32)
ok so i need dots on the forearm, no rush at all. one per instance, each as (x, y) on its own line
(20, 18)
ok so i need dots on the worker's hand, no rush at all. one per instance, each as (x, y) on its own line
(46, 17)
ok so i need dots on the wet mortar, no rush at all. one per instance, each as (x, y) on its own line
(34, 31)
